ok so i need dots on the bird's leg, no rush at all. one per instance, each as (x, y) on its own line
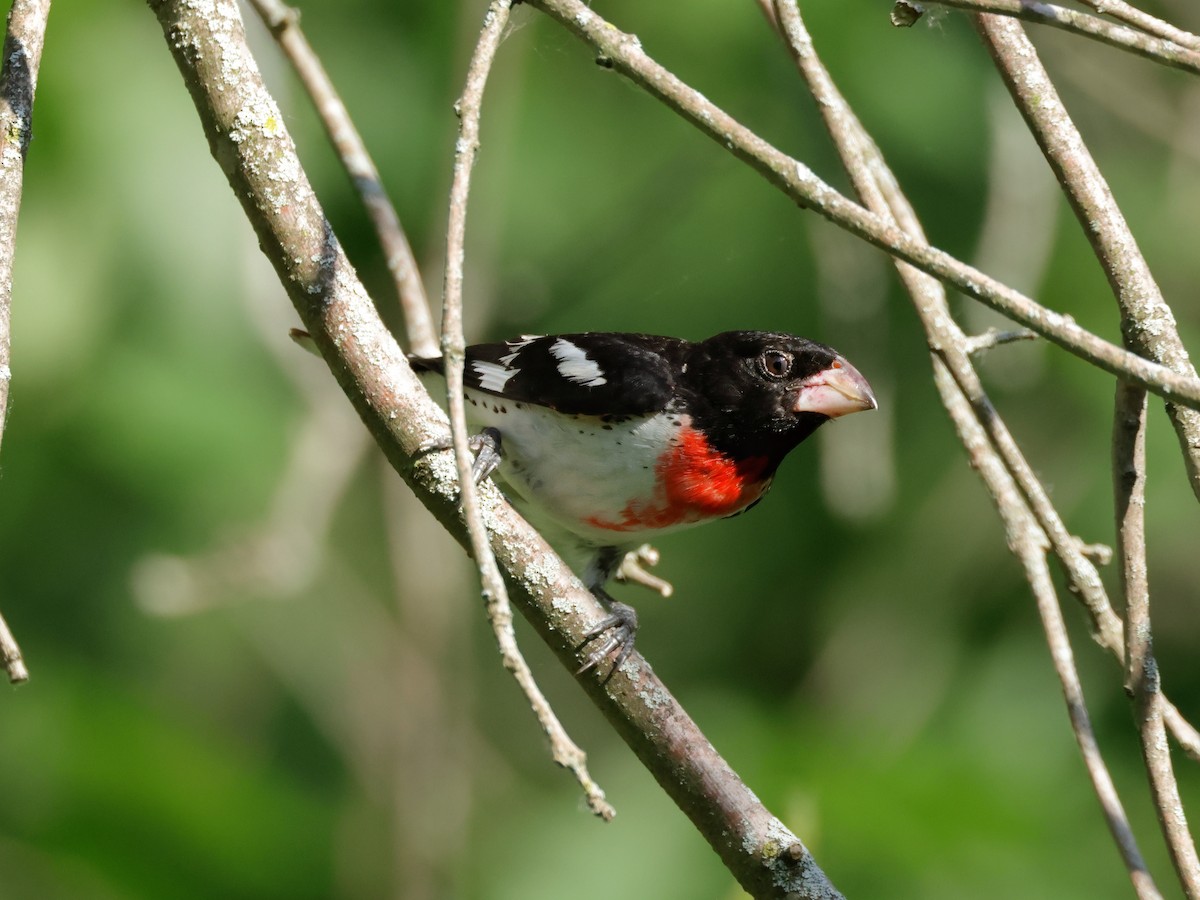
(485, 445)
(621, 623)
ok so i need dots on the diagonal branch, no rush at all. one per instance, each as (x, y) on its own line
(23, 42)
(1184, 56)
(248, 139)
(1146, 319)
(1013, 487)
(565, 751)
(1142, 679)
(796, 180)
(284, 23)
(1131, 15)
(1033, 557)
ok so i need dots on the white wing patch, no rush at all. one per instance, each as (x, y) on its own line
(575, 365)
(492, 377)
(517, 346)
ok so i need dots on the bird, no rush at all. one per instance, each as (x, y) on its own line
(604, 441)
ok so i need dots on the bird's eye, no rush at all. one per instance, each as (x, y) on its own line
(775, 364)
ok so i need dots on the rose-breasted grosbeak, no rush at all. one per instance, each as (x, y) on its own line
(604, 441)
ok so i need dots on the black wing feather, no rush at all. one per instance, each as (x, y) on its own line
(638, 372)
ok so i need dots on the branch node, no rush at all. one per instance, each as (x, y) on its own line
(906, 13)
(994, 337)
(280, 19)
(1100, 554)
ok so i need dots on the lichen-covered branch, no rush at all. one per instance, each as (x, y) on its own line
(248, 139)
(23, 42)
(1149, 46)
(1131, 15)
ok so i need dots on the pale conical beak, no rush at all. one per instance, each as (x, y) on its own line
(836, 391)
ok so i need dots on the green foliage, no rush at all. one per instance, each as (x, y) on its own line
(876, 676)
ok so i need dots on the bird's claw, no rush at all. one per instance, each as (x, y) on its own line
(485, 445)
(621, 627)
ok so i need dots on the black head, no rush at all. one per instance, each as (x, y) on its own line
(761, 393)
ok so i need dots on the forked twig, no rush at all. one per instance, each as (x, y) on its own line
(1131, 15)
(1146, 319)
(1007, 477)
(1149, 46)
(627, 56)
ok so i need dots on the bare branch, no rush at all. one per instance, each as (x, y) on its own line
(23, 42)
(1131, 15)
(1005, 473)
(797, 181)
(565, 751)
(1034, 558)
(249, 141)
(1146, 319)
(1157, 49)
(1142, 678)
(874, 181)
(284, 23)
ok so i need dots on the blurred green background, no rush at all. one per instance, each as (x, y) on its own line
(260, 671)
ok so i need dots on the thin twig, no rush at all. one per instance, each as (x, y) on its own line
(1131, 15)
(249, 140)
(284, 23)
(1033, 556)
(902, 237)
(796, 180)
(963, 397)
(565, 751)
(23, 42)
(1027, 541)
(1142, 677)
(1157, 49)
(1146, 320)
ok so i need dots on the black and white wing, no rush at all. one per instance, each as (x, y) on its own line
(595, 373)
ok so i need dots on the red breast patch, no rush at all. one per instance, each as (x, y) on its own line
(694, 482)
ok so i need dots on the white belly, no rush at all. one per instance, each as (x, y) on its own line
(577, 470)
